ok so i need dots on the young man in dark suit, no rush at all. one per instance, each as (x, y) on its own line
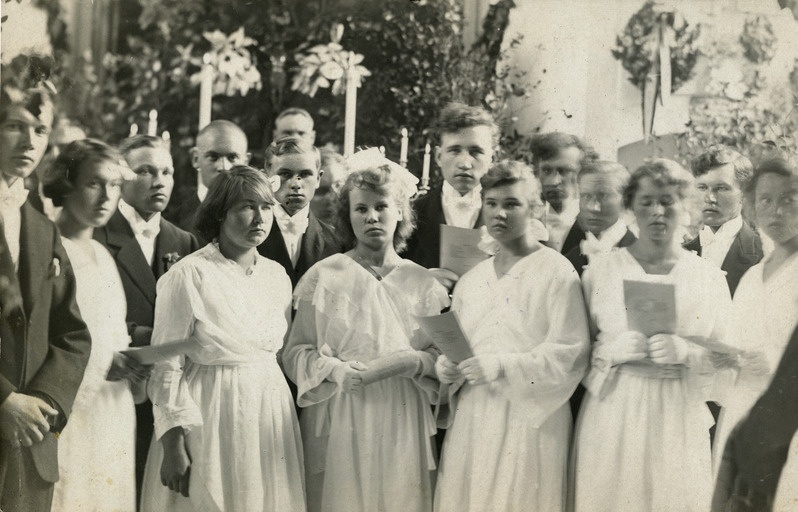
(144, 246)
(468, 137)
(44, 343)
(558, 158)
(599, 227)
(297, 239)
(726, 239)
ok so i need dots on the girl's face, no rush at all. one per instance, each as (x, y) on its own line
(96, 193)
(374, 217)
(507, 211)
(776, 207)
(658, 210)
(247, 223)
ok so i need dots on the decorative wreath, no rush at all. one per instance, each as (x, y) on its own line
(638, 45)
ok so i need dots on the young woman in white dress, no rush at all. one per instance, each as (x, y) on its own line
(765, 305)
(642, 435)
(522, 311)
(226, 432)
(96, 450)
(367, 446)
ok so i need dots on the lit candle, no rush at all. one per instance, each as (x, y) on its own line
(425, 169)
(134, 130)
(152, 125)
(403, 150)
(351, 108)
(206, 92)
(166, 135)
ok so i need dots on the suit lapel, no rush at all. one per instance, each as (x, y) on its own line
(312, 245)
(129, 257)
(34, 256)
(742, 250)
(274, 248)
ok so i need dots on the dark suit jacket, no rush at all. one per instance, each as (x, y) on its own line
(424, 245)
(744, 253)
(138, 278)
(318, 242)
(47, 340)
(579, 260)
(182, 209)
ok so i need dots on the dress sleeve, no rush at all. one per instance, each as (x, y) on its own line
(176, 308)
(551, 370)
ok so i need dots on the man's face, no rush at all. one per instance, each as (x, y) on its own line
(600, 202)
(218, 151)
(558, 176)
(23, 140)
(295, 125)
(464, 156)
(299, 179)
(149, 193)
(723, 199)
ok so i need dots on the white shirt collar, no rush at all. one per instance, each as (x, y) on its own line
(727, 231)
(281, 216)
(137, 222)
(448, 193)
(613, 234)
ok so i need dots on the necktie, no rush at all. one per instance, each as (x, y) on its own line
(294, 225)
(10, 302)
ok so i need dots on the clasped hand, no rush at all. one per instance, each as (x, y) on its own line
(23, 419)
(348, 376)
(634, 346)
(125, 367)
(176, 465)
(476, 370)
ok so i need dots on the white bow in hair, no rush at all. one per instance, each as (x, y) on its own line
(372, 158)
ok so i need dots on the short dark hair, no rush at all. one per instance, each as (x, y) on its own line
(545, 146)
(459, 116)
(142, 141)
(384, 182)
(25, 81)
(59, 180)
(663, 172)
(779, 166)
(224, 191)
(510, 172)
(607, 168)
(291, 146)
(718, 156)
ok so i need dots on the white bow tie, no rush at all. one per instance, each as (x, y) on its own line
(591, 245)
(466, 202)
(293, 225)
(13, 198)
(146, 230)
(706, 236)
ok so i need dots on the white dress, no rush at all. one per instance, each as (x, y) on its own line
(367, 451)
(227, 392)
(765, 315)
(642, 434)
(96, 450)
(507, 447)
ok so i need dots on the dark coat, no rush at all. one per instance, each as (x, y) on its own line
(318, 242)
(744, 253)
(46, 344)
(424, 245)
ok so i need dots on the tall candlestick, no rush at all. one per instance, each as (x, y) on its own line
(152, 125)
(206, 92)
(134, 130)
(403, 150)
(425, 169)
(351, 107)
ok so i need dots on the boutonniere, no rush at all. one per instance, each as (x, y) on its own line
(55, 268)
(170, 259)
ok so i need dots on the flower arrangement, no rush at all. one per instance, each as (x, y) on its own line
(758, 39)
(325, 65)
(236, 72)
(637, 46)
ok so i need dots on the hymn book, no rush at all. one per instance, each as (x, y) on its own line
(446, 333)
(459, 249)
(650, 307)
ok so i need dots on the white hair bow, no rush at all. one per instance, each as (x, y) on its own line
(372, 158)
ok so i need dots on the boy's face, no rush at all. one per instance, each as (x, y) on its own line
(464, 156)
(149, 192)
(295, 125)
(23, 140)
(299, 179)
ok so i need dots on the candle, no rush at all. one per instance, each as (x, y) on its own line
(382, 150)
(351, 108)
(152, 125)
(134, 130)
(425, 169)
(206, 92)
(403, 150)
(166, 135)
